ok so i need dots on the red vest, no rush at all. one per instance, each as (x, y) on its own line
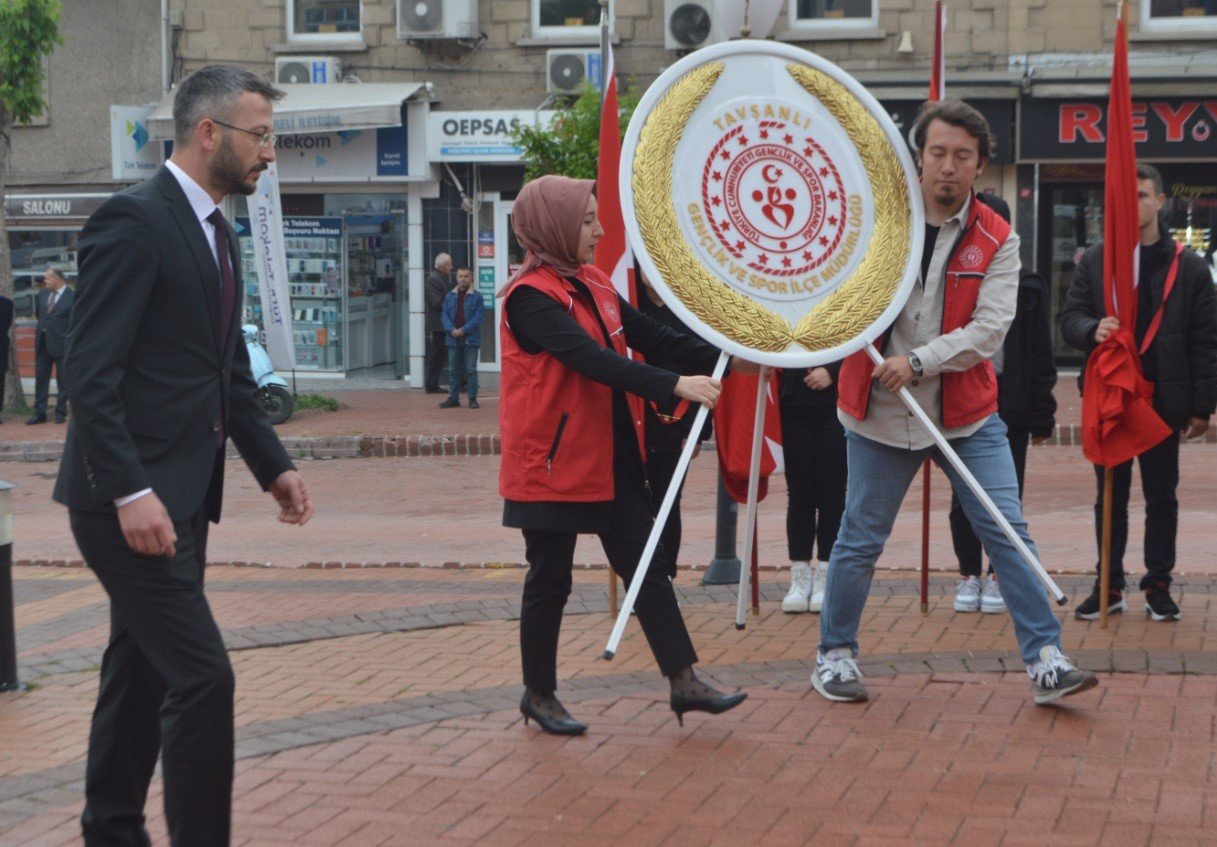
(556, 426)
(967, 396)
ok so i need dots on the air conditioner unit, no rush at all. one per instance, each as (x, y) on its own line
(690, 24)
(567, 70)
(417, 19)
(307, 70)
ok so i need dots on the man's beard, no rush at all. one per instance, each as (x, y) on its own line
(228, 173)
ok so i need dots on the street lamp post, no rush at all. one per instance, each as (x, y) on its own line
(725, 567)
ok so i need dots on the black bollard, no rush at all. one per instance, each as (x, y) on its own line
(8, 624)
(724, 570)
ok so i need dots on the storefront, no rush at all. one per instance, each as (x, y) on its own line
(352, 225)
(1062, 143)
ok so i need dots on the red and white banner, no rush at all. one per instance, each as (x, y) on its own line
(613, 253)
(733, 420)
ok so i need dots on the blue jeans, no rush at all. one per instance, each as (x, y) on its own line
(462, 357)
(879, 477)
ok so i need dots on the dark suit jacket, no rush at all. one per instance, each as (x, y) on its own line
(6, 321)
(151, 389)
(435, 289)
(53, 328)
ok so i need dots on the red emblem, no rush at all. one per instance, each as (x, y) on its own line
(971, 257)
(610, 309)
(774, 199)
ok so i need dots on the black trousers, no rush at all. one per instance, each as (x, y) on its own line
(437, 359)
(550, 556)
(1159, 479)
(166, 689)
(43, 362)
(967, 545)
(813, 443)
(661, 467)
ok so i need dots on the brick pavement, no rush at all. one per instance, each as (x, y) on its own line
(377, 707)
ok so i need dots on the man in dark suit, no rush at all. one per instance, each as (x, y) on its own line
(53, 309)
(161, 381)
(436, 288)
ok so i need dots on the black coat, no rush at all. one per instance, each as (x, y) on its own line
(435, 289)
(664, 437)
(52, 332)
(1184, 351)
(150, 388)
(6, 321)
(1028, 372)
(794, 393)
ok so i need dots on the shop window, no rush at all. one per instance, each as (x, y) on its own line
(1191, 15)
(834, 14)
(564, 18)
(323, 20)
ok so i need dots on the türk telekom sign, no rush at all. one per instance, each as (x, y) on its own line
(1174, 128)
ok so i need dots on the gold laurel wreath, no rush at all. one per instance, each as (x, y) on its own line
(855, 304)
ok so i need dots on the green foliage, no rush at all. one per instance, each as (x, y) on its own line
(317, 401)
(29, 30)
(570, 145)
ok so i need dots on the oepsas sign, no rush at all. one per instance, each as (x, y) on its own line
(1176, 128)
(478, 136)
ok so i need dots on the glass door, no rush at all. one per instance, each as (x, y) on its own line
(1071, 220)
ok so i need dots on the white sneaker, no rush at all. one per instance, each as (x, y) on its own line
(817, 587)
(800, 588)
(991, 602)
(836, 677)
(967, 595)
(1053, 676)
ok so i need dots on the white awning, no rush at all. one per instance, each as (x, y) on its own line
(319, 108)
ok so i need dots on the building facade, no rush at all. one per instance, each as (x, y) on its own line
(376, 198)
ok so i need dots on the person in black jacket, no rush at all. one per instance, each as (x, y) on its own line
(813, 447)
(1180, 359)
(665, 431)
(160, 380)
(53, 309)
(1026, 376)
(7, 308)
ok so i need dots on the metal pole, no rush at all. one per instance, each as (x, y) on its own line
(754, 477)
(8, 623)
(951, 456)
(925, 537)
(724, 570)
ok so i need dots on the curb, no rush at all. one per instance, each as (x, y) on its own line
(417, 446)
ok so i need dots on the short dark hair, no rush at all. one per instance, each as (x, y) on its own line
(956, 113)
(212, 92)
(1150, 172)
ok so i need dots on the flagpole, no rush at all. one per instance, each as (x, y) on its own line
(754, 477)
(661, 519)
(604, 43)
(947, 451)
(1109, 477)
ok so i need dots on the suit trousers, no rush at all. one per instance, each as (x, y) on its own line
(166, 688)
(550, 557)
(661, 467)
(963, 537)
(437, 359)
(813, 443)
(43, 362)
(1159, 480)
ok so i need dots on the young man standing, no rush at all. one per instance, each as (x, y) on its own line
(939, 348)
(1176, 334)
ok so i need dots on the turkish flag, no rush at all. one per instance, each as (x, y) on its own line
(734, 415)
(1118, 419)
(613, 253)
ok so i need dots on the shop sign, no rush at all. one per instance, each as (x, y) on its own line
(354, 154)
(52, 206)
(478, 136)
(486, 281)
(1174, 128)
(485, 245)
(999, 114)
(133, 155)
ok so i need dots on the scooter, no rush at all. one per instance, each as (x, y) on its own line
(274, 395)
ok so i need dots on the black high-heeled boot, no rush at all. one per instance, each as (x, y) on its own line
(549, 714)
(690, 694)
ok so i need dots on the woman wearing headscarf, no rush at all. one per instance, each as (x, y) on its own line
(572, 439)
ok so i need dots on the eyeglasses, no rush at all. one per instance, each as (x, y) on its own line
(265, 139)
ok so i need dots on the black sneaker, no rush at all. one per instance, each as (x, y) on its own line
(1159, 605)
(1088, 609)
(450, 404)
(473, 404)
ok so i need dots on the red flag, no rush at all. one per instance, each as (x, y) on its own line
(938, 72)
(1118, 420)
(613, 253)
(734, 415)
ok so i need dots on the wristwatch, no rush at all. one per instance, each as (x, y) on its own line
(915, 364)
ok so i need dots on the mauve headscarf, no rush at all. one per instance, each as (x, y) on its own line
(547, 216)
